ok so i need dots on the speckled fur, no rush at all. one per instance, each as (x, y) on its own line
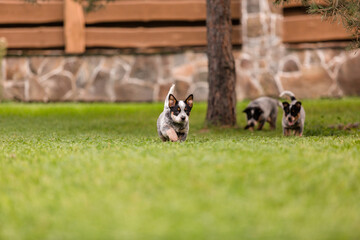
(298, 121)
(167, 122)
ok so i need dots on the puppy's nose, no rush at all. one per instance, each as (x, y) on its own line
(183, 118)
(289, 118)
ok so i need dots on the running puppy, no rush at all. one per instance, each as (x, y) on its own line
(173, 122)
(294, 116)
(261, 110)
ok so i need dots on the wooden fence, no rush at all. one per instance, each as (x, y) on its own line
(62, 24)
(76, 30)
(302, 27)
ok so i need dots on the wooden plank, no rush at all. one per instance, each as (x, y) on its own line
(155, 10)
(74, 27)
(310, 28)
(40, 37)
(151, 37)
(18, 11)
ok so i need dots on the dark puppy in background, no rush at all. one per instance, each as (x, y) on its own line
(294, 116)
(173, 122)
(261, 110)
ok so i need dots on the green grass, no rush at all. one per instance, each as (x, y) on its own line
(99, 171)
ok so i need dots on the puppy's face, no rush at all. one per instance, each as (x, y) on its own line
(291, 112)
(253, 115)
(180, 110)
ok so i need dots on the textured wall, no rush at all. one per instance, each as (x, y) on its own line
(105, 78)
(264, 66)
(309, 73)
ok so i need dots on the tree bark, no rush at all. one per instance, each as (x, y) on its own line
(222, 95)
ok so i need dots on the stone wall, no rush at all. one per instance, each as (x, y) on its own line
(140, 77)
(264, 66)
(3, 46)
(309, 73)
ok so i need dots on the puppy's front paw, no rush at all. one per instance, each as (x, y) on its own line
(172, 135)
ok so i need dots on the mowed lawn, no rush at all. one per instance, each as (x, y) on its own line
(99, 171)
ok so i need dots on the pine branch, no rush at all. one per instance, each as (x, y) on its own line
(92, 5)
(88, 5)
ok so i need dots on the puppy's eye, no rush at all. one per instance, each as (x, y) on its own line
(178, 109)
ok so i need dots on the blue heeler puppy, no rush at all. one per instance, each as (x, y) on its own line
(294, 116)
(261, 110)
(173, 122)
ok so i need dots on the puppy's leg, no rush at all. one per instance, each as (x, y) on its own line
(182, 137)
(286, 131)
(272, 125)
(272, 122)
(299, 132)
(161, 136)
(261, 125)
(172, 135)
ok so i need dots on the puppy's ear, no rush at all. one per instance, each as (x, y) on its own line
(172, 101)
(298, 104)
(285, 104)
(246, 110)
(189, 100)
(259, 110)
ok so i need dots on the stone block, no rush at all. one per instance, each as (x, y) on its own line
(57, 86)
(179, 59)
(163, 91)
(72, 64)
(15, 91)
(98, 91)
(36, 91)
(301, 56)
(92, 62)
(35, 64)
(252, 6)
(246, 64)
(132, 92)
(263, 64)
(201, 76)
(201, 92)
(184, 71)
(268, 85)
(314, 58)
(181, 89)
(313, 82)
(279, 29)
(349, 76)
(290, 66)
(16, 69)
(330, 54)
(82, 77)
(245, 88)
(165, 67)
(254, 27)
(145, 68)
(117, 73)
(51, 64)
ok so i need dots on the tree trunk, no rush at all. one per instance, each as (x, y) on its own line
(222, 96)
